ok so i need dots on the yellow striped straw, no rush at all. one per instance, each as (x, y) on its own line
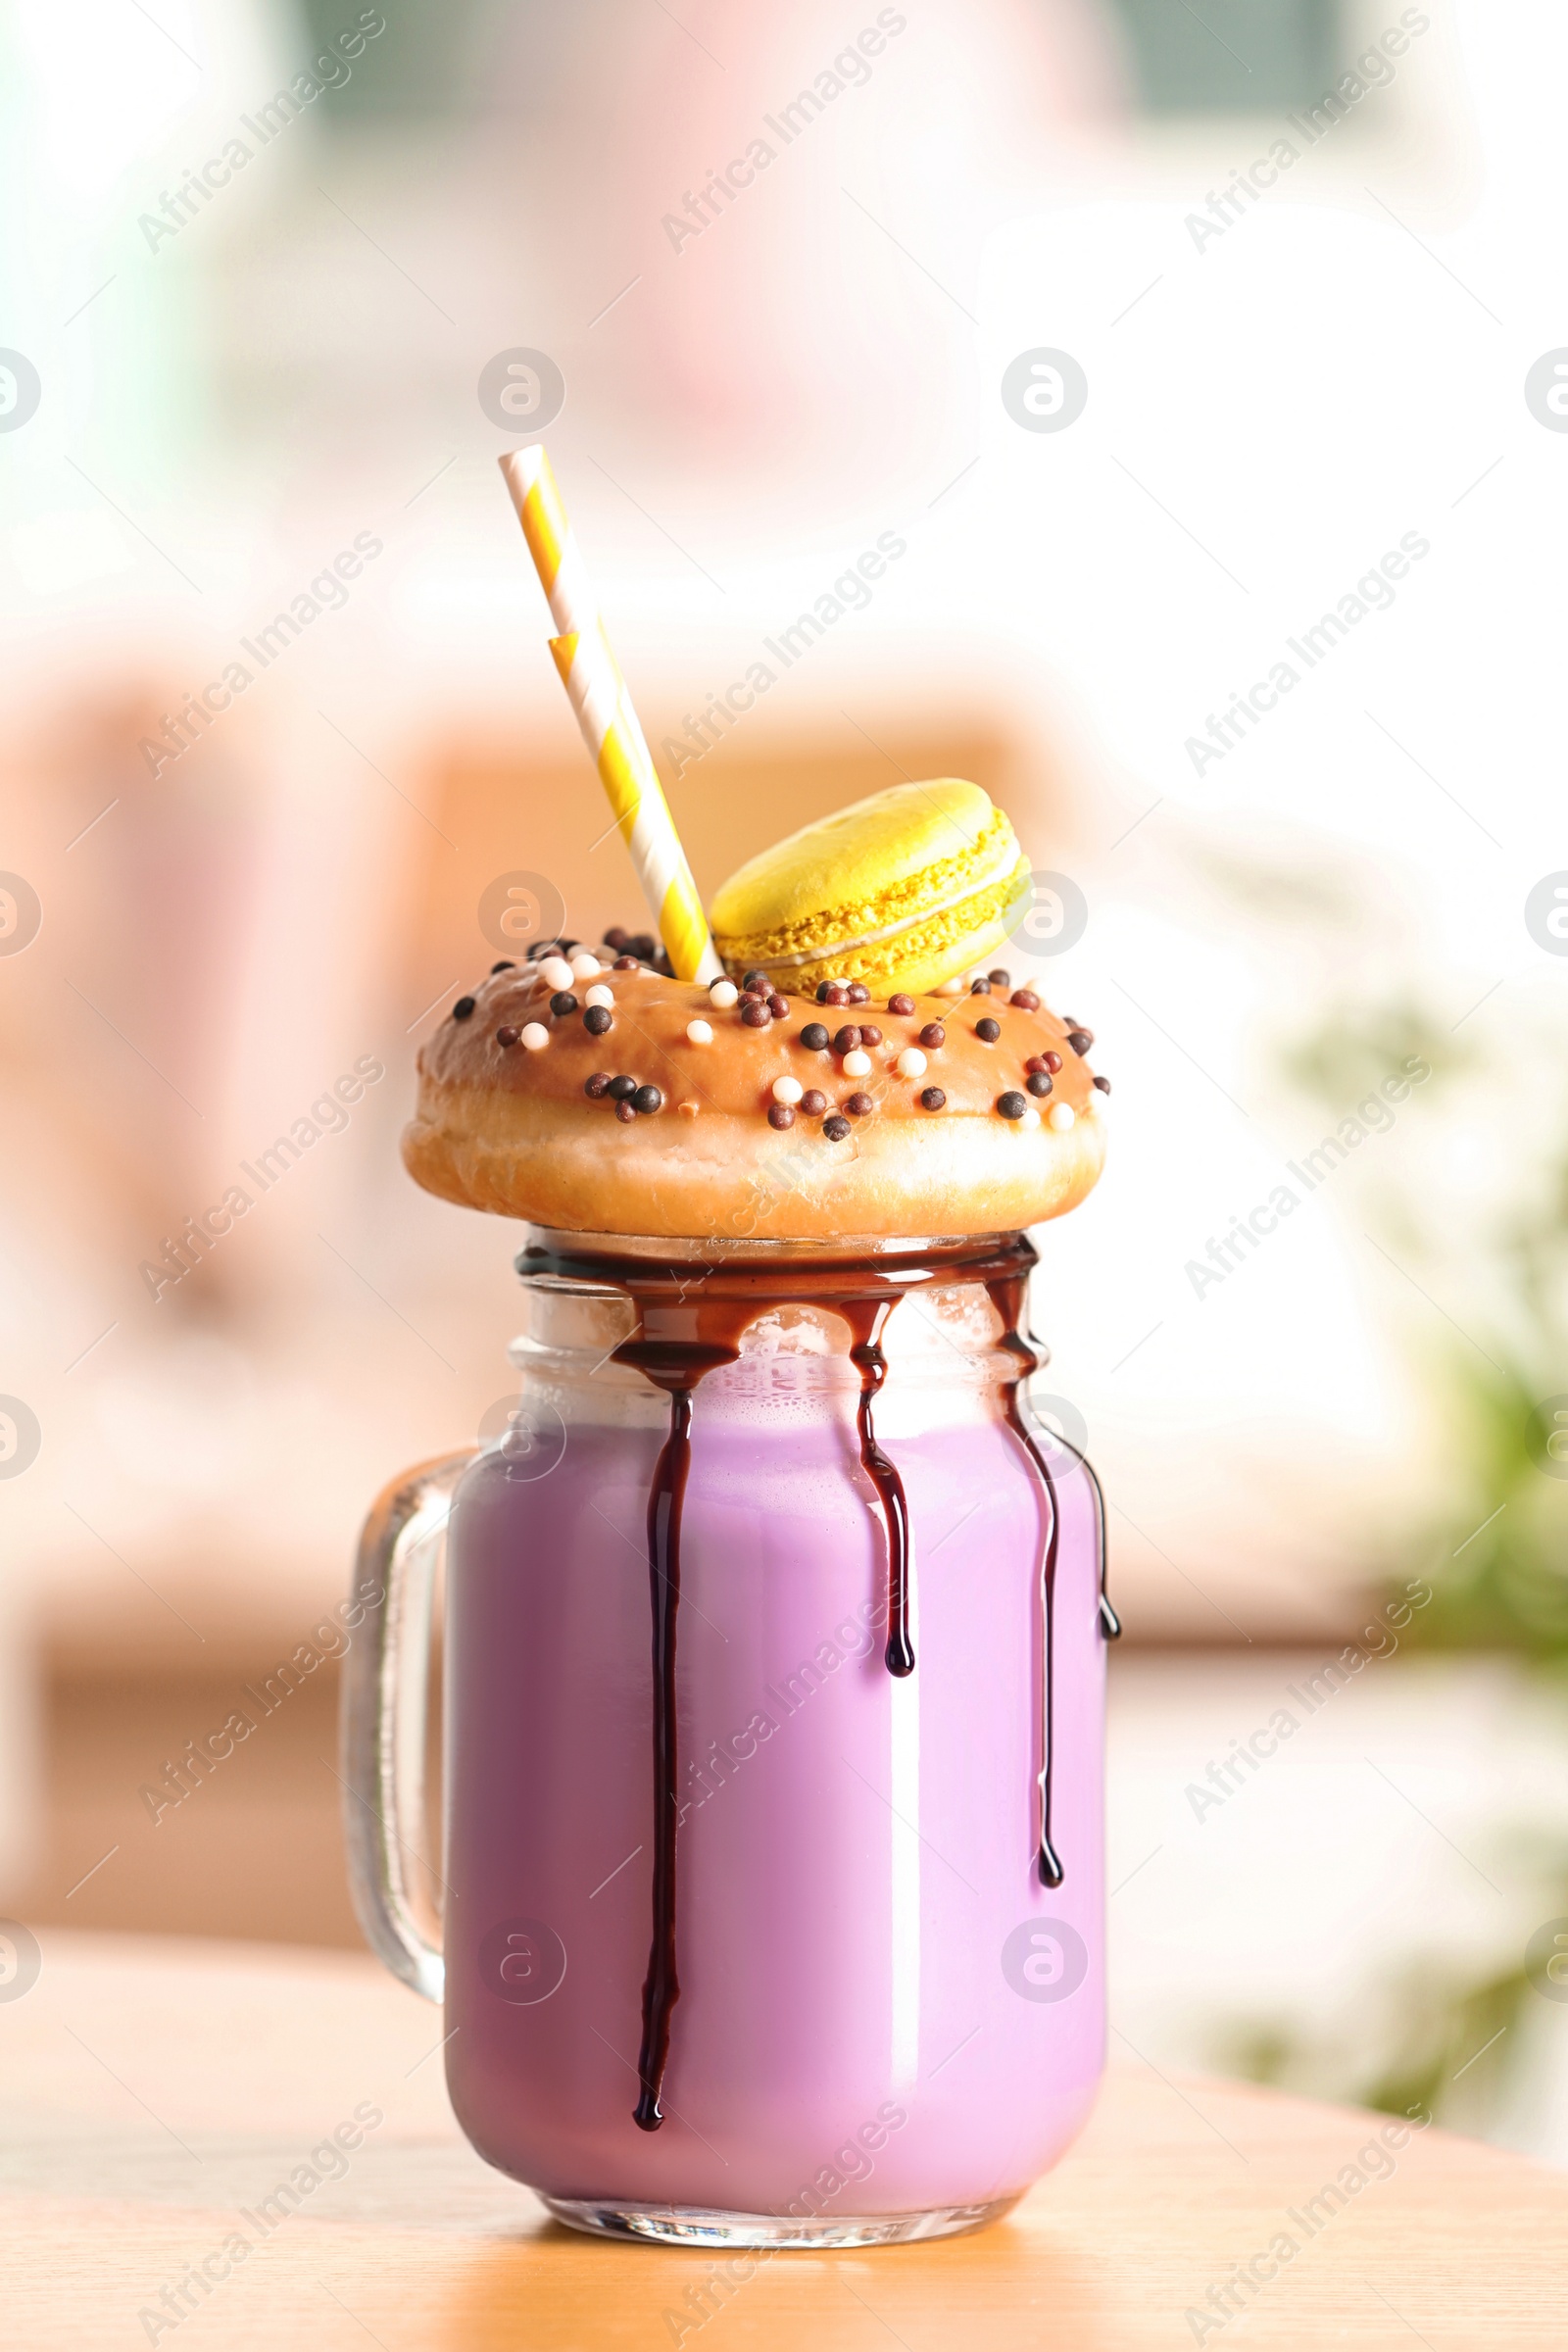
(610, 727)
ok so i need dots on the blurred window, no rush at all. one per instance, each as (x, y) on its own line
(1200, 57)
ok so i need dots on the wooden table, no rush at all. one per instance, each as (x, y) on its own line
(153, 2092)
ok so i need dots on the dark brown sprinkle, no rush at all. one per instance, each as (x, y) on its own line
(1036, 1061)
(822, 988)
(777, 1005)
(1080, 1040)
(933, 1035)
(754, 1014)
(502, 967)
(599, 1084)
(846, 1039)
(644, 945)
(507, 1035)
(597, 1019)
(1104, 1085)
(1052, 1060)
(833, 991)
(1040, 1082)
(870, 1035)
(756, 974)
(988, 1031)
(1000, 979)
(780, 1114)
(624, 1110)
(622, 1088)
(980, 987)
(814, 1103)
(463, 1008)
(932, 1098)
(835, 1128)
(1025, 1000)
(562, 1002)
(900, 1003)
(859, 994)
(1012, 1105)
(648, 1099)
(814, 1036)
(614, 939)
(623, 964)
(857, 1106)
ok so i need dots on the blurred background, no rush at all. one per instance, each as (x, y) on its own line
(1209, 367)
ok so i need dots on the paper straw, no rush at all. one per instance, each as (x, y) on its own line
(610, 727)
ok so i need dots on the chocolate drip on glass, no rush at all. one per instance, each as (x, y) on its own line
(865, 1319)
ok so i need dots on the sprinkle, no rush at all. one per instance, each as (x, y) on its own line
(911, 1063)
(1059, 1116)
(535, 1036)
(562, 1002)
(688, 1109)
(1080, 1040)
(777, 1005)
(1031, 1117)
(847, 1039)
(1025, 1000)
(900, 1003)
(859, 1105)
(859, 994)
(856, 1065)
(502, 967)
(1040, 1082)
(833, 991)
(624, 1110)
(615, 939)
(814, 1036)
(756, 978)
(870, 1035)
(599, 993)
(463, 1008)
(814, 1103)
(933, 1099)
(948, 988)
(596, 1085)
(648, 1099)
(787, 1089)
(1000, 979)
(1052, 1062)
(597, 1019)
(1104, 1085)
(835, 1128)
(988, 1031)
(585, 966)
(1012, 1105)
(933, 1035)
(780, 1114)
(723, 994)
(622, 1088)
(558, 971)
(980, 987)
(507, 1035)
(699, 1033)
(625, 963)
(754, 1014)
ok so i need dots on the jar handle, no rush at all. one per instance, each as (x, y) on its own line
(386, 1698)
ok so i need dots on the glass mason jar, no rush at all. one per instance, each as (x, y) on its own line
(774, 1681)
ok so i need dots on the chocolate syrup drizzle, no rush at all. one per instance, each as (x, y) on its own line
(713, 1309)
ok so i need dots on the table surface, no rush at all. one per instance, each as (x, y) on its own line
(154, 2090)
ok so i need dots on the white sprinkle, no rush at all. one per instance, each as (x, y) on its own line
(556, 971)
(911, 1062)
(856, 1064)
(1096, 1103)
(1031, 1117)
(535, 1037)
(699, 1033)
(787, 1089)
(725, 994)
(599, 994)
(950, 988)
(1060, 1115)
(584, 966)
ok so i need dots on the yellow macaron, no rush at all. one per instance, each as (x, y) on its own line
(901, 890)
